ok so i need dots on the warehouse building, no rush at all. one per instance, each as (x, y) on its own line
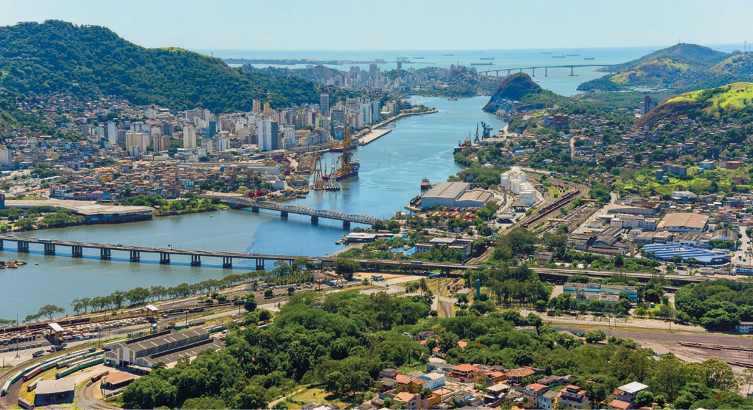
(51, 392)
(683, 222)
(144, 351)
(666, 252)
(455, 195)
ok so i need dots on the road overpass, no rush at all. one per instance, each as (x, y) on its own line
(50, 247)
(285, 210)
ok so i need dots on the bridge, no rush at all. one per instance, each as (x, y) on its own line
(572, 68)
(315, 214)
(50, 247)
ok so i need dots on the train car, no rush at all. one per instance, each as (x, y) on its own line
(24, 404)
(32, 373)
(6, 388)
(434, 275)
(99, 376)
(80, 366)
(33, 385)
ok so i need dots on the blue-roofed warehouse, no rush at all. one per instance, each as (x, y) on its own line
(666, 252)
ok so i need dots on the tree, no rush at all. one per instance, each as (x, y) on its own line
(250, 303)
(265, 315)
(269, 294)
(595, 336)
(335, 383)
(252, 397)
(200, 403)
(49, 311)
(346, 268)
(644, 398)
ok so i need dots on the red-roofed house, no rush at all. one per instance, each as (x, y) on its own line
(465, 372)
(619, 404)
(517, 375)
(532, 392)
(573, 397)
(412, 401)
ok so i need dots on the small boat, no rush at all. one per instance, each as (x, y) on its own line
(425, 185)
(452, 99)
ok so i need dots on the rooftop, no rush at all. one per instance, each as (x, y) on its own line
(447, 189)
(56, 386)
(633, 387)
(683, 220)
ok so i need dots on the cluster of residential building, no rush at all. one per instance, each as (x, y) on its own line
(447, 386)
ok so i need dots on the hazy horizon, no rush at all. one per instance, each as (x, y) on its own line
(338, 25)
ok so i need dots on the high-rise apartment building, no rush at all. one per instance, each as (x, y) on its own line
(324, 104)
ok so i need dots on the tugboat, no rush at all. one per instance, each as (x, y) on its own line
(425, 185)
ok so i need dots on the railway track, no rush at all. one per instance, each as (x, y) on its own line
(549, 209)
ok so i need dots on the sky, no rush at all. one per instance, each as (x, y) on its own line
(400, 24)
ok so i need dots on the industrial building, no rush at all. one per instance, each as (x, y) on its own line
(51, 392)
(455, 195)
(516, 181)
(148, 350)
(666, 252)
(683, 222)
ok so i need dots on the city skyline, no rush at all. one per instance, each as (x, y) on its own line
(319, 25)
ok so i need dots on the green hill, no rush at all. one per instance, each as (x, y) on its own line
(521, 88)
(58, 56)
(683, 66)
(734, 101)
(691, 54)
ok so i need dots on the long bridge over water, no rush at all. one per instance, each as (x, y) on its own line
(50, 247)
(315, 214)
(546, 68)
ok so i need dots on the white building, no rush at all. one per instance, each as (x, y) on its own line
(189, 137)
(433, 380)
(267, 130)
(136, 143)
(288, 136)
(112, 133)
(6, 157)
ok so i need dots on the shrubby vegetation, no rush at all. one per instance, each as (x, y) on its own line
(718, 304)
(164, 207)
(343, 345)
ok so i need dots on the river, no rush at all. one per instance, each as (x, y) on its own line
(392, 168)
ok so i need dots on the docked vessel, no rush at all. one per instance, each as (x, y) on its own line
(425, 185)
(346, 166)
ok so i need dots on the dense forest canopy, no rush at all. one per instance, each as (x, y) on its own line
(60, 56)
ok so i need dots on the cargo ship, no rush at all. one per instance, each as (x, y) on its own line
(481, 63)
(589, 58)
(487, 58)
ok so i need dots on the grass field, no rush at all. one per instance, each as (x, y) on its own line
(644, 182)
(314, 395)
(738, 96)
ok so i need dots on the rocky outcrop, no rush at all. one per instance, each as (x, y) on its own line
(513, 88)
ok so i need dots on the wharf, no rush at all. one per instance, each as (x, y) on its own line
(376, 133)
(373, 136)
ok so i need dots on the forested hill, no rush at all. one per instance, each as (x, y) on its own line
(683, 66)
(58, 56)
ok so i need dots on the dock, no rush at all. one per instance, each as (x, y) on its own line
(376, 133)
(373, 136)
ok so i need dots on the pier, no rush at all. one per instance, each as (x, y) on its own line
(364, 138)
